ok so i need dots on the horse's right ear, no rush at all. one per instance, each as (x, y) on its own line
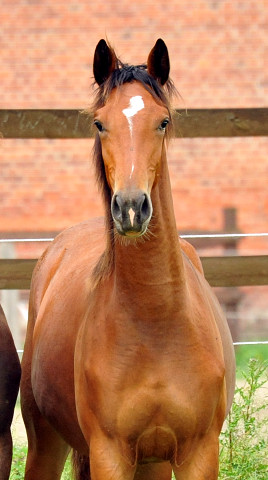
(104, 62)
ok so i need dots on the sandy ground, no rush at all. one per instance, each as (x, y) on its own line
(17, 428)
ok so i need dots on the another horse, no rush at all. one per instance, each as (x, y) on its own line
(9, 387)
(128, 357)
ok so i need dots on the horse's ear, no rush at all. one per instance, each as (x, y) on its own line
(104, 62)
(158, 62)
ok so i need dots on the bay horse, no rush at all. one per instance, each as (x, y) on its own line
(9, 386)
(128, 358)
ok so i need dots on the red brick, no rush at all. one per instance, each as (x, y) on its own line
(218, 53)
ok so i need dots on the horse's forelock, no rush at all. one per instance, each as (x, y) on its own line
(125, 73)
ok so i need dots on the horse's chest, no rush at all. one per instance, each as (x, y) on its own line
(153, 396)
(156, 421)
(153, 406)
(147, 408)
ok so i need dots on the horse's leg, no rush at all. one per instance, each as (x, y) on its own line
(203, 463)
(47, 451)
(9, 387)
(154, 471)
(5, 453)
(107, 462)
(8, 395)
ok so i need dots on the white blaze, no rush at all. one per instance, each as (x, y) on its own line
(131, 216)
(135, 105)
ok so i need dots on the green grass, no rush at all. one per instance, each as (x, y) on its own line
(243, 443)
(19, 457)
(244, 353)
(67, 472)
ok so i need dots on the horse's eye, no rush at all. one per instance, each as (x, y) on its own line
(98, 125)
(164, 124)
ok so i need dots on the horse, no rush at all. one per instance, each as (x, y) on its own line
(128, 358)
(9, 386)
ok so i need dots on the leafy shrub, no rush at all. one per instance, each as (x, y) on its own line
(244, 453)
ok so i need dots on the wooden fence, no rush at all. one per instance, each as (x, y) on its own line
(219, 271)
(51, 124)
(223, 122)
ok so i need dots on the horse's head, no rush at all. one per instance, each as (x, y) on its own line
(131, 118)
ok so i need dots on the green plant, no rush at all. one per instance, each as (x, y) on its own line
(18, 463)
(67, 472)
(243, 452)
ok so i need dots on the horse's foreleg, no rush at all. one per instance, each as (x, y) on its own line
(47, 451)
(9, 386)
(107, 462)
(5, 454)
(203, 463)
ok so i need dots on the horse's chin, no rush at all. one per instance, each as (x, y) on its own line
(130, 234)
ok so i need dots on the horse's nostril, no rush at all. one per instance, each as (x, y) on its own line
(145, 208)
(116, 208)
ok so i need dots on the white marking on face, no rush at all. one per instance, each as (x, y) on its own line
(135, 105)
(131, 216)
(132, 170)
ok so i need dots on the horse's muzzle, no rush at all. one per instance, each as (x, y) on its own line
(131, 213)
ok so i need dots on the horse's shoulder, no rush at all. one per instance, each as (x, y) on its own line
(79, 245)
(191, 253)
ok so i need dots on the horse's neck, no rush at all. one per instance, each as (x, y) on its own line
(153, 267)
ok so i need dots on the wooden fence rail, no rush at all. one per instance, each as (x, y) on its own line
(53, 124)
(226, 271)
(21, 124)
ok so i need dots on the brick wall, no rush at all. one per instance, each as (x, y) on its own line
(219, 53)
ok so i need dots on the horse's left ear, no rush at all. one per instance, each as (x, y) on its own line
(158, 62)
(104, 62)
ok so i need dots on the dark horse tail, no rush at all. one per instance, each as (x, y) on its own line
(80, 465)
